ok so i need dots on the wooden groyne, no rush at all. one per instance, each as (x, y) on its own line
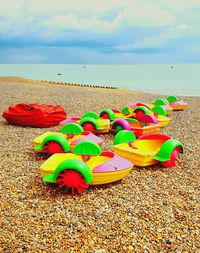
(80, 85)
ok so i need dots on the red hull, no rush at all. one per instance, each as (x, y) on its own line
(36, 115)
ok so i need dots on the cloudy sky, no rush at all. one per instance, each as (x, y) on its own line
(106, 31)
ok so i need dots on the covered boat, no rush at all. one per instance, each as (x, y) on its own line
(37, 115)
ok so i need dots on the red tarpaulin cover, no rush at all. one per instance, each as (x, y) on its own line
(36, 115)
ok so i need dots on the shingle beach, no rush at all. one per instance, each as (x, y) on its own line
(153, 209)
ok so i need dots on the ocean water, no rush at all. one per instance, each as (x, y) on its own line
(178, 79)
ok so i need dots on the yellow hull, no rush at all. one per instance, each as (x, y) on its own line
(139, 130)
(109, 177)
(119, 115)
(178, 107)
(163, 121)
(102, 131)
(104, 125)
(151, 129)
(137, 159)
(142, 154)
(169, 112)
(38, 140)
(48, 167)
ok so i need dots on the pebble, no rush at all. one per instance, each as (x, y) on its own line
(151, 210)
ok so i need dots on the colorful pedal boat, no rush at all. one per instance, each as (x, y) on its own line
(65, 140)
(148, 149)
(127, 112)
(176, 103)
(137, 111)
(164, 103)
(135, 126)
(91, 122)
(87, 165)
(112, 114)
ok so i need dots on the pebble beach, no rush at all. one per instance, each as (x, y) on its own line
(153, 209)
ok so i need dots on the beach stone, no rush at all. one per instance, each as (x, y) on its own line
(153, 209)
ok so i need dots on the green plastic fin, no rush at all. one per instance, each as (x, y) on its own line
(143, 108)
(72, 164)
(124, 136)
(172, 98)
(131, 120)
(125, 110)
(167, 149)
(59, 139)
(49, 178)
(161, 101)
(87, 148)
(159, 110)
(72, 128)
(93, 115)
(92, 121)
(109, 112)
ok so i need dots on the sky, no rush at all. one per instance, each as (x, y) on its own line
(99, 32)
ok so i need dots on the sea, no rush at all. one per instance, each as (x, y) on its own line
(176, 79)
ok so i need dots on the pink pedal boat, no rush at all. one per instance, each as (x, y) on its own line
(176, 103)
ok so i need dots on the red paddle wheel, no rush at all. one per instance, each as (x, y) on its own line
(71, 179)
(52, 147)
(173, 158)
(89, 127)
(139, 114)
(105, 115)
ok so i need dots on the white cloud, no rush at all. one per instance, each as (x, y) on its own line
(90, 15)
(63, 7)
(182, 27)
(135, 12)
(72, 21)
(11, 9)
(160, 39)
(42, 18)
(147, 16)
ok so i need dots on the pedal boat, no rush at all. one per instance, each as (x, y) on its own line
(65, 140)
(148, 149)
(87, 165)
(91, 122)
(176, 103)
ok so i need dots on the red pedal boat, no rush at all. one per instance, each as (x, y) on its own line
(36, 115)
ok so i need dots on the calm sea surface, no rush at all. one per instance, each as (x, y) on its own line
(180, 79)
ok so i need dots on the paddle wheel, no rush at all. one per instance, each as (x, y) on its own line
(71, 179)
